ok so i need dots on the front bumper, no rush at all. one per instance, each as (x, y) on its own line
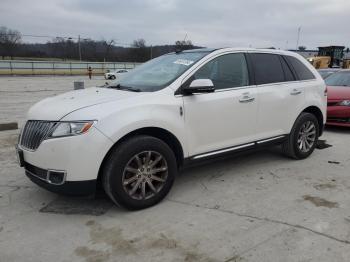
(109, 76)
(338, 116)
(77, 188)
(77, 157)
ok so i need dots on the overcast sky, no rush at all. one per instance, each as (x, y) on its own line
(211, 23)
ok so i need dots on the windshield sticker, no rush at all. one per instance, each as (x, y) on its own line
(183, 62)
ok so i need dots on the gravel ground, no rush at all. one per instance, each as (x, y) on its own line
(257, 207)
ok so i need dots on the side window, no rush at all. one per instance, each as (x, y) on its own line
(288, 74)
(267, 68)
(300, 69)
(225, 71)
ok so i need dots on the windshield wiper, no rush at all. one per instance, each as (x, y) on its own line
(127, 88)
(131, 89)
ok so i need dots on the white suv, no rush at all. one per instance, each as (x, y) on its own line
(133, 135)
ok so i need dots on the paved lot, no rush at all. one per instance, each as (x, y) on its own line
(18, 94)
(258, 207)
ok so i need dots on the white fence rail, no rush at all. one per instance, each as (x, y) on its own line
(19, 67)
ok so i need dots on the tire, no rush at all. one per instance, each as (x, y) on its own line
(294, 146)
(128, 172)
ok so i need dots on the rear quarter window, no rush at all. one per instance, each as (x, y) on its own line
(302, 72)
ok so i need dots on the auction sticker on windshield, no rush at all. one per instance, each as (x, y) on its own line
(183, 62)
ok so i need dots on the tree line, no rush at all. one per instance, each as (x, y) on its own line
(11, 45)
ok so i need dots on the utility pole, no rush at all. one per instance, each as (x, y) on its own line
(108, 48)
(79, 48)
(298, 38)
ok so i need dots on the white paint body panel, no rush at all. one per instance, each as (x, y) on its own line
(209, 122)
(80, 156)
(56, 107)
(278, 109)
(219, 120)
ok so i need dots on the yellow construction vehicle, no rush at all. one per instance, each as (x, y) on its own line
(328, 56)
(346, 63)
(320, 62)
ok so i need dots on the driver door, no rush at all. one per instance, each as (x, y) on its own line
(226, 117)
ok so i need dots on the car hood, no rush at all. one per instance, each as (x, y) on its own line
(55, 108)
(338, 92)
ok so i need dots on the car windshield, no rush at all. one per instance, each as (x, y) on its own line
(159, 72)
(339, 79)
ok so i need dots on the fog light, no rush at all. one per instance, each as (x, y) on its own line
(56, 177)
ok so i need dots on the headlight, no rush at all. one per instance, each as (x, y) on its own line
(344, 103)
(70, 128)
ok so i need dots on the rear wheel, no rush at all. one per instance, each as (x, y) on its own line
(303, 138)
(139, 172)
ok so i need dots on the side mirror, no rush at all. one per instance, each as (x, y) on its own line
(200, 86)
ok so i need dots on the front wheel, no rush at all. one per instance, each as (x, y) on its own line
(139, 172)
(303, 138)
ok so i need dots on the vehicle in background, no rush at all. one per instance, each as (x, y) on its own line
(338, 87)
(328, 57)
(115, 74)
(320, 62)
(133, 135)
(327, 72)
(346, 63)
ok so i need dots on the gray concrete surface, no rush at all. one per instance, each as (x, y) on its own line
(18, 93)
(258, 207)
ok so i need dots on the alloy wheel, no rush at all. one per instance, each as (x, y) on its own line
(306, 136)
(144, 175)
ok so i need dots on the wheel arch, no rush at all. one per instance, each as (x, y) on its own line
(166, 136)
(318, 114)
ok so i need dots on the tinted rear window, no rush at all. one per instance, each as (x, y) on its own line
(300, 69)
(267, 68)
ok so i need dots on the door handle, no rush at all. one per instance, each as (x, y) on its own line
(295, 92)
(246, 99)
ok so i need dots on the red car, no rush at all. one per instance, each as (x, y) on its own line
(338, 110)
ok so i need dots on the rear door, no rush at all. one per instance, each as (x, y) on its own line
(280, 95)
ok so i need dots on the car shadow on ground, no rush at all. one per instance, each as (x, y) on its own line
(100, 204)
(208, 169)
(234, 160)
(73, 205)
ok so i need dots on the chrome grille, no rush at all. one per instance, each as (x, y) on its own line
(34, 133)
